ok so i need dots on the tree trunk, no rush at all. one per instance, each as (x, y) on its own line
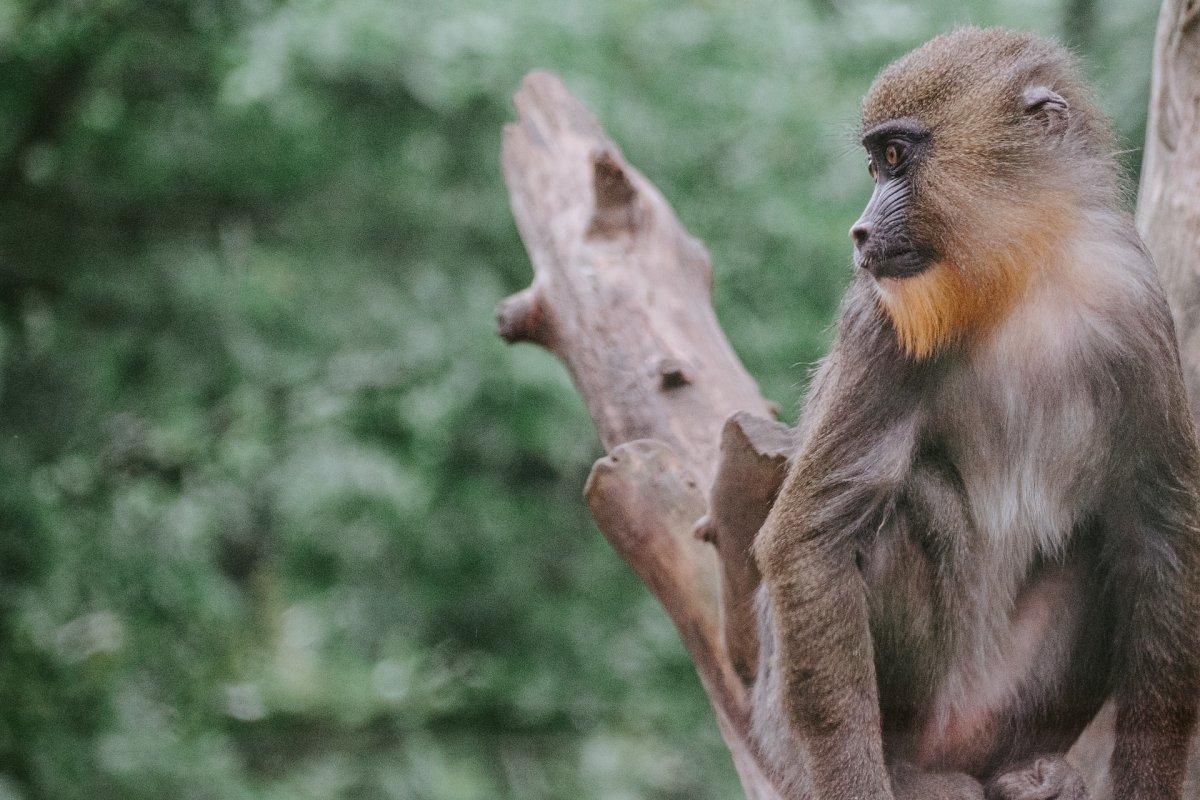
(1168, 213)
(622, 295)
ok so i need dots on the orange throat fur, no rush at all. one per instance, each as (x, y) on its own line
(941, 306)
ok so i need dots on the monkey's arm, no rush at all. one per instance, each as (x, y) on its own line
(824, 657)
(1157, 670)
(856, 441)
(1152, 564)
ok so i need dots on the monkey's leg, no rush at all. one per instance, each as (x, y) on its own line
(910, 783)
(1047, 778)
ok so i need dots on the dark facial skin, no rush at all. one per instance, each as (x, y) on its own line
(883, 244)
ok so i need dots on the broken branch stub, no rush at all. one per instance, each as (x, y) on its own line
(752, 466)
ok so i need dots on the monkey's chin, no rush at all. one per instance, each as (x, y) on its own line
(890, 285)
(897, 266)
(896, 294)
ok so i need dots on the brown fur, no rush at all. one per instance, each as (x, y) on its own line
(991, 524)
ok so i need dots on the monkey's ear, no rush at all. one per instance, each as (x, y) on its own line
(1047, 107)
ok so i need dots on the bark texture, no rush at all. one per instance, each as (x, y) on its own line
(1168, 212)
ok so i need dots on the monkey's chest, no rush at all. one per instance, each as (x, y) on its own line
(970, 601)
(1026, 453)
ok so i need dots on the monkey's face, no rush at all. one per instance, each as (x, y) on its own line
(979, 144)
(884, 240)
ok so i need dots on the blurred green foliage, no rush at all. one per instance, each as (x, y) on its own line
(280, 517)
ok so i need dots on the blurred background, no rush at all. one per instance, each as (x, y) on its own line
(280, 517)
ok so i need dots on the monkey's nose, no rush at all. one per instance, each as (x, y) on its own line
(860, 233)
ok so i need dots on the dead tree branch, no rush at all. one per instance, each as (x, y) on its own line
(1168, 211)
(622, 294)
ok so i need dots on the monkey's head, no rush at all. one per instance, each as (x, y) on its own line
(984, 147)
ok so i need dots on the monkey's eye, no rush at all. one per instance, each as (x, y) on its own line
(871, 170)
(893, 153)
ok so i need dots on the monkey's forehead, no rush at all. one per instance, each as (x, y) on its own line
(964, 74)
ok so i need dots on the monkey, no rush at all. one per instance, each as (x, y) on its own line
(991, 523)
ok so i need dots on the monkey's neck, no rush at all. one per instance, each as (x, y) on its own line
(942, 306)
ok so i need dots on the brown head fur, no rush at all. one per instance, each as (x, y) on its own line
(997, 196)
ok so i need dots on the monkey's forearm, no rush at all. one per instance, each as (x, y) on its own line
(1153, 736)
(825, 660)
(1155, 724)
(1159, 691)
(1149, 764)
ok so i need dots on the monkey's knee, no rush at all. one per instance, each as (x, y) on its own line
(910, 783)
(1047, 778)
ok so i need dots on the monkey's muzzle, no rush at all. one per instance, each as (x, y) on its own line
(882, 244)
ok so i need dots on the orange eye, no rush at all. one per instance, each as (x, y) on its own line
(871, 168)
(892, 154)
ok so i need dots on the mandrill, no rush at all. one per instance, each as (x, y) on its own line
(990, 527)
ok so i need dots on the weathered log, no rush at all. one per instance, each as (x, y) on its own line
(622, 295)
(645, 501)
(621, 292)
(1168, 209)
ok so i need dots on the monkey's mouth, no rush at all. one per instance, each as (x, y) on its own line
(897, 263)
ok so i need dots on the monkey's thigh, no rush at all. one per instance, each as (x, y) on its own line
(911, 783)
(1047, 778)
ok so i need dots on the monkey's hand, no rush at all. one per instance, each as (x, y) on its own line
(910, 783)
(1049, 778)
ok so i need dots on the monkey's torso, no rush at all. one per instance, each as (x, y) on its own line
(991, 524)
(985, 576)
(992, 596)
